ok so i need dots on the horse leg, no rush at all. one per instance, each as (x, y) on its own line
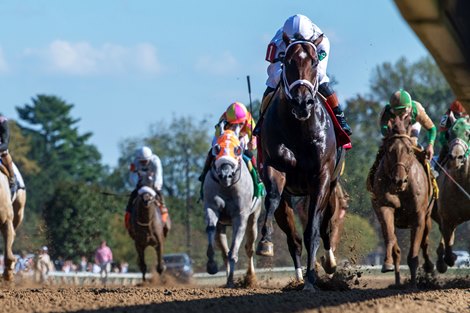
(440, 263)
(141, 259)
(221, 241)
(8, 232)
(252, 233)
(159, 250)
(18, 208)
(328, 261)
(385, 216)
(212, 218)
(428, 265)
(274, 182)
(312, 233)
(416, 239)
(286, 221)
(239, 226)
(448, 233)
(396, 254)
(339, 202)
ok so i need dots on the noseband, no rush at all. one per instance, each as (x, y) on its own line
(313, 88)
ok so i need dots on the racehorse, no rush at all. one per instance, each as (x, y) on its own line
(402, 198)
(7, 227)
(146, 227)
(229, 200)
(299, 152)
(453, 203)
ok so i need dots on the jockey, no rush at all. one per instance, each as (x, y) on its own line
(300, 27)
(237, 116)
(400, 104)
(145, 169)
(5, 155)
(455, 111)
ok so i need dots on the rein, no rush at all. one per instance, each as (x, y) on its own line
(397, 164)
(150, 217)
(313, 88)
(452, 179)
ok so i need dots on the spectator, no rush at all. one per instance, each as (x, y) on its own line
(124, 267)
(44, 264)
(104, 257)
(22, 264)
(83, 265)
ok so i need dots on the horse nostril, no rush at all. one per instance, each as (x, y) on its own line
(405, 181)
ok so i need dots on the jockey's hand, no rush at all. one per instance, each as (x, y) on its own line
(429, 152)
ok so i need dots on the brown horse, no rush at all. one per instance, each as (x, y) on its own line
(147, 228)
(402, 198)
(454, 186)
(299, 156)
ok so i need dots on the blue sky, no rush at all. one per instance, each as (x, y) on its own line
(128, 64)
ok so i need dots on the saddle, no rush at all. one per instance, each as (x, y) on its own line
(421, 157)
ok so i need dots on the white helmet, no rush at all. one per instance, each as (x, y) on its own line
(144, 153)
(298, 27)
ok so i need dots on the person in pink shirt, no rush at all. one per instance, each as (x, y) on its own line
(104, 257)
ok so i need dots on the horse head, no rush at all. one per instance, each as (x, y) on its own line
(299, 75)
(228, 156)
(147, 196)
(398, 159)
(459, 143)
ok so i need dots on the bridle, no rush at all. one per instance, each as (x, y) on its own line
(148, 204)
(237, 173)
(312, 87)
(463, 144)
(402, 164)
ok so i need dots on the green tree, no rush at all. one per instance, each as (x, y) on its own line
(56, 145)
(78, 216)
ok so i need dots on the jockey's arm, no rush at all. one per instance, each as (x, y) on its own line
(158, 173)
(385, 116)
(427, 123)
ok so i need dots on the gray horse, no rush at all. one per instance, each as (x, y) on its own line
(228, 200)
(453, 203)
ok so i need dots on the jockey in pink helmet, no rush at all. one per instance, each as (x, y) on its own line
(300, 27)
(238, 119)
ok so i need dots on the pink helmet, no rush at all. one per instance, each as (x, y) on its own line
(236, 113)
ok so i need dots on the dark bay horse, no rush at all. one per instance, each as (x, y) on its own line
(146, 228)
(299, 152)
(229, 201)
(402, 198)
(453, 207)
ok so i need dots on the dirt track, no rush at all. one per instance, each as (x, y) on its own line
(367, 295)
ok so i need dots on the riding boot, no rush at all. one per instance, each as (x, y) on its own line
(207, 166)
(373, 169)
(258, 186)
(333, 102)
(8, 163)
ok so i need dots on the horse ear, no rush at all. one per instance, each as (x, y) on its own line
(237, 150)
(452, 118)
(317, 41)
(286, 39)
(216, 149)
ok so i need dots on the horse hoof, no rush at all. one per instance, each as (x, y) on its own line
(428, 267)
(212, 268)
(265, 248)
(387, 268)
(441, 266)
(8, 276)
(450, 260)
(329, 269)
(161, 269)
(309, 287)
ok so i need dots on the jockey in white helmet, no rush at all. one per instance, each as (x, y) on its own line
(146, 170)
(300, 27)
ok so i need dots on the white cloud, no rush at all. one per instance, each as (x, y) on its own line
(83, 59)
(3, 62)
(217, 65)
